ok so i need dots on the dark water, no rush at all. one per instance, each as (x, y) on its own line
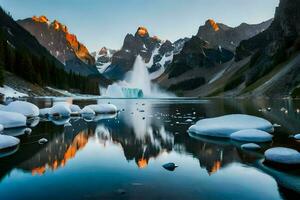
(121, 156)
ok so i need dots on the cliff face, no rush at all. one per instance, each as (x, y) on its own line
(60, 43)
(218, 34)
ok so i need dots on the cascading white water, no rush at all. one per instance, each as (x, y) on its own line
(137, 84)
(139, 78)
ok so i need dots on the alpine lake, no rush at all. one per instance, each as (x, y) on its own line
(121, 156)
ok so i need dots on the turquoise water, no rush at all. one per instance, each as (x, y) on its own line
(121, 156)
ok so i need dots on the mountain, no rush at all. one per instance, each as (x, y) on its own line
(61, 44)
(103, 58)
(22, 55)
(266, 64)
(156, 53)
(218, 34)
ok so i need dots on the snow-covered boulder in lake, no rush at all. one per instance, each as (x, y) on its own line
(103, 108)
(12, 120)
(75, 108)
(225, 125)
(250, 146)
(297, 137)
(61, 110)
(7, 141)
(87, 111)
(22, 107)
(251, 135)
(281, 155)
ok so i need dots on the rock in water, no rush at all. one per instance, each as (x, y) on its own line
(224, 126)
(281, 155)
(8, 141)
(297, 137)
(43, 141)
(103, 108)
(250, 146)
(12, 120)
(170, 166)
(251, 135)
(22, 107)
(87, 111)
(60, 110)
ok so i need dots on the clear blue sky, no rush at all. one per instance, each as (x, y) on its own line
(100, 23)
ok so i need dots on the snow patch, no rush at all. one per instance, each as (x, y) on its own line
(12, 120)
(10, 92)
(22, 107)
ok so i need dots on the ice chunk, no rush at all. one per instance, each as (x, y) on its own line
(103, 108)
(283, 155)
(250, 146)
(297, 137)
(224, 126)
(61, 110)
(12, 120)
(7, 141)
(251, 135)
(87, 111)
(75, 108)
(22, 107)
(132, 93)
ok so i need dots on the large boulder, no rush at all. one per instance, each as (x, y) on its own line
(12, 120)
(224, 126)
(281, 155)
(8, 141)
(22, 107)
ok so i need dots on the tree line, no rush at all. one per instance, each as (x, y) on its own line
(40, 69)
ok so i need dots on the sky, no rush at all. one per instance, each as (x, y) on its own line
(99, 23)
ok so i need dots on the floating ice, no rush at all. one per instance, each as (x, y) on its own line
(297, 137)
(224, 126)
(87, 111)
(250, 146)
(61, 110)
(7, 141)
(283, 155)
(103, 108)
(12, 120)
(22, 107)
(132, 93)
(251, 135)
(75, 108)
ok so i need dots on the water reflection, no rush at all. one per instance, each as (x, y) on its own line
(146, 131)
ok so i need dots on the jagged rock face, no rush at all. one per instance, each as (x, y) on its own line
(60, 43)
(197, 53)
(154, 52)
(218, 34)
(103, 58)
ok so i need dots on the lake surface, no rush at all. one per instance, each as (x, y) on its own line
(121, 156)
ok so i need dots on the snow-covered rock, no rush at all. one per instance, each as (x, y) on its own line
(7, 141)
(224, 126)
(12, 120)
(250, 146)
(45, 111)
(87, 111)
(281, 155)
(103, 108)
(251, 135)
(22, 107)
(75, 108)
(297, 136)
(61, 110)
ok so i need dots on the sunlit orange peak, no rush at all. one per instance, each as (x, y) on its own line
(214, 25)
(42, 19)
(142, 31)
(142, 163)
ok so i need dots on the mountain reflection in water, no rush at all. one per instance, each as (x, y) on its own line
(147, 131)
